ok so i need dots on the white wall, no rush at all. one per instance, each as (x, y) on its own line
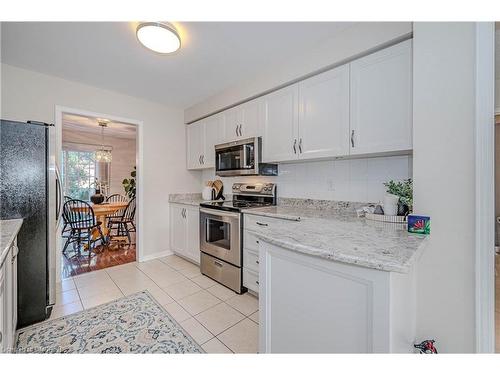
(29, 95)
(357, 39)
(358, 180)
(443, 171)
(123, 153)
(497, 91)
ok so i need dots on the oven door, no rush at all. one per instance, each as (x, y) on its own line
(237, 158)
(220, 235)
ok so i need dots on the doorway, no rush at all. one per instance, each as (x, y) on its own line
(99, 160)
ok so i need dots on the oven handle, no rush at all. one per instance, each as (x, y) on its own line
(220, 213)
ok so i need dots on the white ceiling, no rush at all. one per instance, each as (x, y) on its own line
(90, 125)
(214, 55)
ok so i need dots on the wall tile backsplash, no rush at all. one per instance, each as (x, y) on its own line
(354, 180)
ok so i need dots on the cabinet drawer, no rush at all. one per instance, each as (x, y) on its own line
(250, 241)
(251, 260)
(251, 280)
(254, 222)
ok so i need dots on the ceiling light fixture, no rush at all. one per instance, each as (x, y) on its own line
(103, 155)
(158, 37)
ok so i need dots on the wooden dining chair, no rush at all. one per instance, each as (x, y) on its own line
(125, 224)
(115, 198)
(81, 219)
(66, 230)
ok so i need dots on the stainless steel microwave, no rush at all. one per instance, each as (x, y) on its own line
(242, 158)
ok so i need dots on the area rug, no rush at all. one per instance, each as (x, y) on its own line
(132, 324)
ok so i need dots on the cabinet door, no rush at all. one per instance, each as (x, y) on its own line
(178, 229)
(250, 119)
(195, 144)
(381, 101)
(3, 310)
(231, 124)
(214, 134)
(13, 288)
(193, 234)
(280, 125)
(324, 114)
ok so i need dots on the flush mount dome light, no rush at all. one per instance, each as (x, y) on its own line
(158, 37)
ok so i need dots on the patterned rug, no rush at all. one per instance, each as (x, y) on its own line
(133, 324)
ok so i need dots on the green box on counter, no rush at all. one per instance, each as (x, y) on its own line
(419, 224)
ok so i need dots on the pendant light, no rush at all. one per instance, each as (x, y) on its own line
(103, 155)
(159, 37)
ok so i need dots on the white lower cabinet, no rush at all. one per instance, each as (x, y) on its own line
(8, 299)
(185, 231)
(314, 305)
(251, 250)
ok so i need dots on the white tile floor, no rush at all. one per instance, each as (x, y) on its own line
(217, 318)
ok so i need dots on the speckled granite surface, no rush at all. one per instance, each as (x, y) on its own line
(8, 231)
(339, 235)
(193, 199)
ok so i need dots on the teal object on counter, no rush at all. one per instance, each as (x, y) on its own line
(419, 224)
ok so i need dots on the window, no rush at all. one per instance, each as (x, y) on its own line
(79, 173)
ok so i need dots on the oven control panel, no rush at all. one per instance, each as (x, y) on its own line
(256, 189)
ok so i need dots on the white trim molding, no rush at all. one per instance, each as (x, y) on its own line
(59, 111)
(485, 191)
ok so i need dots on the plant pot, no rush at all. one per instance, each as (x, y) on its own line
(97, 198)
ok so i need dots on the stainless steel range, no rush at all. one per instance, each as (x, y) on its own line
(221, 232)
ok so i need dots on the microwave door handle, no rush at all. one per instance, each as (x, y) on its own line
(244, 165)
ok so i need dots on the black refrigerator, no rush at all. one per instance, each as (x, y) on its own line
(30, 189)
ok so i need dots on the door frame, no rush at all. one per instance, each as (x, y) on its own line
(59, 111)
(485, 190)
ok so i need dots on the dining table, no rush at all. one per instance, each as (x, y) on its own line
(101, 212)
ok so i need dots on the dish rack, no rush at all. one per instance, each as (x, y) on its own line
(386, 218)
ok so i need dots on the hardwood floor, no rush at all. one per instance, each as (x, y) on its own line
(105, 258)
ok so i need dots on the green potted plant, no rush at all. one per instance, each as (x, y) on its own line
(404, 190)
(129, 184)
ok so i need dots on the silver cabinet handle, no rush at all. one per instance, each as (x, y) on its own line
(236, 129)
(295, 146)
(256, 241)
(300, 145)
(257, 261)
(199, 159)
(1, 337)
(241, 133)
(257, 282)
(352, 138)
(202, 159)
(262, 224)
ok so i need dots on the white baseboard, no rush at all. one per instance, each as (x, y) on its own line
(161, 254)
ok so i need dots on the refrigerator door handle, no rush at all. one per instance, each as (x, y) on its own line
(59, 200)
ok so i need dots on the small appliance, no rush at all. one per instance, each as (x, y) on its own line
(242, 158)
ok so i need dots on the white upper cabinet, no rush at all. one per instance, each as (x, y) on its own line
(324, 115)
(243, 121)
(250, 118)
(381, 101)
(361, 108)
(195, 135)
(280, 133)
(202, 136)
(214, 134)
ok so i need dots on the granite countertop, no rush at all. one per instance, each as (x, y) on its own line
(8, 231)
(192, 199)
(339, 235)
